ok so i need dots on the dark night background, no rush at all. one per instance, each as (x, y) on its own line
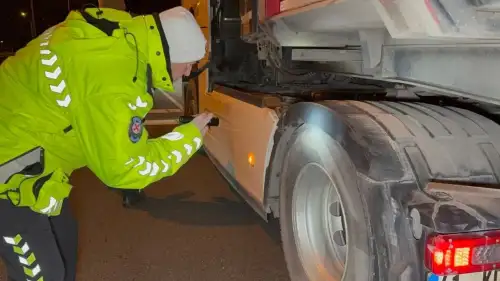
(15, 29)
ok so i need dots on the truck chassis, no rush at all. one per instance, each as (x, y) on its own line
(365, 133)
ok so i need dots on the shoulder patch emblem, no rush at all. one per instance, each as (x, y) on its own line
(135, 129)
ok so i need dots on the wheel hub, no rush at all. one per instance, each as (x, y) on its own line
(318, 223)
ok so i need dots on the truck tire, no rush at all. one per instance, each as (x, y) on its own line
(319, 187)
(345, 170)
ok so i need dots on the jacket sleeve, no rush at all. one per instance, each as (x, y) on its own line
(117, 148)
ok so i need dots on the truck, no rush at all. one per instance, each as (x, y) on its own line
(368, 128)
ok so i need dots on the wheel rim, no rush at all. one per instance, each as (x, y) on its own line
(319, 227)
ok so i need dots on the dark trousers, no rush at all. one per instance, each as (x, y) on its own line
(36, 247)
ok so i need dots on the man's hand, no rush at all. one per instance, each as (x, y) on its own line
(201, 121)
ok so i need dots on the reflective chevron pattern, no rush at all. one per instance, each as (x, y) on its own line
(26, 257)
(152, 168)
(138, 104)
(53, 71)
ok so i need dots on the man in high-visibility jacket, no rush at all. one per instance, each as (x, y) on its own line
(76, 96)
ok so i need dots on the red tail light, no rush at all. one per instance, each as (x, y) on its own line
(462, 253)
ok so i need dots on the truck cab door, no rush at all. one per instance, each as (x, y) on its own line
(199, 96)
(197, 87)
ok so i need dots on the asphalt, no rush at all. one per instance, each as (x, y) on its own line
(190, 227)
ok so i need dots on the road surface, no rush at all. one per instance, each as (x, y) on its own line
(192, 227)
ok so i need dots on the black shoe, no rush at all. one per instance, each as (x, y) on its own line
(132, 197)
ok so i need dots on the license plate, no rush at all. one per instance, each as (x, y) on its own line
(478, 276)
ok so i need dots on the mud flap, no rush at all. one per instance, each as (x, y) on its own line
(448, 207)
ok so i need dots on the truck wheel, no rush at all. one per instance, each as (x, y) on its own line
(323, 222)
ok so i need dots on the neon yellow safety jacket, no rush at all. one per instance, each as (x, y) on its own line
(76, 96)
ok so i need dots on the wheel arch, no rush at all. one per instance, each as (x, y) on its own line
(294, 117)
(334, 118)
(379, 162)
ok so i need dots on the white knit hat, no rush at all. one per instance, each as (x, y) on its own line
(184, 35)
